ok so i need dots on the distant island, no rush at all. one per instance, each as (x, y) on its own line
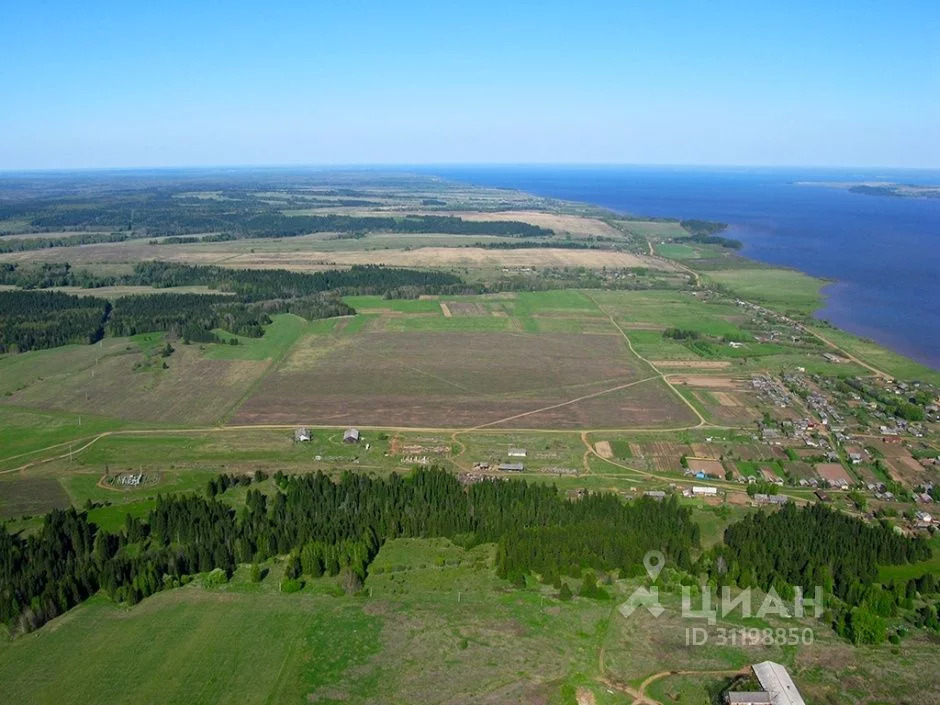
(880, 188)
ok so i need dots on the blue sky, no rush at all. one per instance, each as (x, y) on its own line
(117, 84)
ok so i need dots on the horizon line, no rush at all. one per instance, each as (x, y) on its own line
(367, 166)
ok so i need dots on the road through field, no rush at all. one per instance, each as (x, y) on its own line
(561, 404)
(613, 322)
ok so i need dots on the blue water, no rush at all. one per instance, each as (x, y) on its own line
(882, 253)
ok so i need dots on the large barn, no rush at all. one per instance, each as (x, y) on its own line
(778, 687)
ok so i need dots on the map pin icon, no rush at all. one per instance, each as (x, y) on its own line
(654, 561)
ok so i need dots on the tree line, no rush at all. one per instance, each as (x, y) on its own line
(41, 319)
(814, 545)
(242, 217)
(322, 526)
(276, 225)
(32, 320)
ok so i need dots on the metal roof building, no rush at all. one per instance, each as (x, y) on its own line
(745, 698)
(777, 682)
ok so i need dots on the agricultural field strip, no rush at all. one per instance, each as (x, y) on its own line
(276, 360)
(420, 371)
(564, 403)
(702, 420)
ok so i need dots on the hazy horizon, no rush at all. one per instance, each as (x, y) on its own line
(366, 166)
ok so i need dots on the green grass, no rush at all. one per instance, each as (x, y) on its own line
(674, 250)
(621, 449)
(366, 303)
(907, 571)
(655, 228)
(457, 323)
(278, 337)
(432, 624)
(671, 309)
(879, 357)
(527, 303)
(112, 518)
(191, 646)
(25, 431)
(83, 486)
(785, 289)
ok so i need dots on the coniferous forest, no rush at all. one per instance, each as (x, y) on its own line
(327, 527)
(34, 319)
(324, 527)
(31, 319)
(816, 546)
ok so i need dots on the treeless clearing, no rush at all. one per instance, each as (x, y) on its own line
(704, 381)
(433, 378)
(238, 255)
(448, 256)
(666, 448)
(833, 472)
(709, 467)
(603, 449)
(706, 450)
(559, 222)
(647, 405)
(692, 364)
(907, 469)
(466, 308)
(193, 389)
(30, 495)
(726, 399)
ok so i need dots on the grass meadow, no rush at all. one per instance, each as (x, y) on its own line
(433, 624)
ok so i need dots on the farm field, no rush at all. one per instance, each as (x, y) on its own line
(786, 289)
(551, 360)
(313, 253)
(418, 378)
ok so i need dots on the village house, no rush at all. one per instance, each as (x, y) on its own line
(704, 490)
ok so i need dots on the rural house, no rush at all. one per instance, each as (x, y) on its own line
(351, 435)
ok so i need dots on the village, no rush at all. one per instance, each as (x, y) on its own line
(818, 438)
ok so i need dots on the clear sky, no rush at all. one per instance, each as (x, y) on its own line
(167, 83)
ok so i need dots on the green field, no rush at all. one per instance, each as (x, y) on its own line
(278, 337)
(786, 289)
(879, 357)
(432, 624)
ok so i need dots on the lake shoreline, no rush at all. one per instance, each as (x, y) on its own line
(877, 255)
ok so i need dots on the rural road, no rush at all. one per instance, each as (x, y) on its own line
(610, 316)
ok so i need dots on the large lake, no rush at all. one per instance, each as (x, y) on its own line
(882, 253)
